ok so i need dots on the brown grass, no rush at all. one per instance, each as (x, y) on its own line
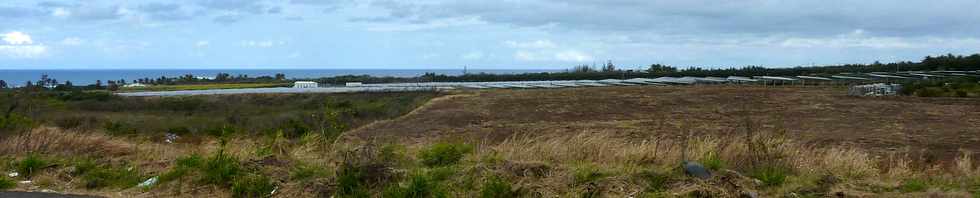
(54, 141)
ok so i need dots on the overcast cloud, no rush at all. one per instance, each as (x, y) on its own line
(504, 34)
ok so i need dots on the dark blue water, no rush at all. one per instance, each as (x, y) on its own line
(86, 77)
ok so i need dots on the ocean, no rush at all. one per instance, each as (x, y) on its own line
(88, 76)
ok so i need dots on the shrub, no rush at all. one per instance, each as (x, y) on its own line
(351, 182)
(913, 185)
(220, 170)
(770, 175)
(252, 185)
(495, 187)
(31, 165)
(444, 154)
(7, 183)
(419, 185)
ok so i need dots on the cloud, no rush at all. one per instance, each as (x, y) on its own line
(19, 12)
(811, 18)
(202, 44)
(17, 38)
(551, 55)
(20, 46)
(72, 41)
(531, 44)
(262, 44)
(240, 6)
(165, 11)
(573, 56)
(228, 19)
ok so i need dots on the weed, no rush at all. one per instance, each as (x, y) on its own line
(7, 183)
(351, 182)
(495, 187)
(713, 161)
(913, 185)
(31, 165)
(770, 175)
(587, 174)
(419, 185)
(252, 185)
(307, 172)
(444, 154)
(220, 169)
(100, 177)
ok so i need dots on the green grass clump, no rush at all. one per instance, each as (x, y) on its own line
(495, 187)
(307, 172)
(31, 165)
(101, 177)
(913, 185)
(7, 183)
(220, 170)
(770, 175)
(444, 154)
(351, 182)
(587, 174)
(419, 185)
(712, 161)
(252, 185)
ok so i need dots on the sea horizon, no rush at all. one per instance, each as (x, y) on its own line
(19, 77)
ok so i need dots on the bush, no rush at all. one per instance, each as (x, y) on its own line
(495, 187)
(31, 165)
(306, 172)
(351, 182)
(419, 185)
(444, 154)
(6, 183)
(220, 170)
(913, 185)
(770, 175)
(252, 185)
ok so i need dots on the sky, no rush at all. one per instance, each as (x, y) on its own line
(497, 34)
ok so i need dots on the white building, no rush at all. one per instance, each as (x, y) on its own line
(135, 85)
(354, 84)
(305, 84)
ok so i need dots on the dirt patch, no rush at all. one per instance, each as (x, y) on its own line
(937, 128)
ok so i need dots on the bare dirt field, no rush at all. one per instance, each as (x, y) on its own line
(935, 128)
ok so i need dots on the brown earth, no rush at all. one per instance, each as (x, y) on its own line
(935, 128)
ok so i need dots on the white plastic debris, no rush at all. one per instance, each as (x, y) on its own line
(149, 182)
(274, 190)
(13, 174)
(171, 138)
(25, 182)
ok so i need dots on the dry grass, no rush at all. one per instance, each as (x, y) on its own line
(55, 141)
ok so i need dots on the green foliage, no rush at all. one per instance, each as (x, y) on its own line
(587, 174)
(655, 181)
(305, 172)
(913, 185)
(7, 183)
(712, 161)
(444, 154)
(351, 182)
(494, 187)
(220, 169)
(770, 175)
(15, 123)
(105, 176)
(182, 167)
(252, 185)
(31, 165)
(420, 185)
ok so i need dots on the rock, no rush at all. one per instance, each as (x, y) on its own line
(696, 169)
(749, 194)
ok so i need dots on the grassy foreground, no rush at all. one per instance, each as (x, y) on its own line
(582, 165)
(231, 151)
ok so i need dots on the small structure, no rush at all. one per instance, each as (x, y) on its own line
(353, 84)
(305, 84)
(878, 89)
